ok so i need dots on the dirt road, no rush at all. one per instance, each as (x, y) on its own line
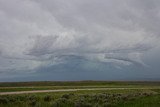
(67, 90)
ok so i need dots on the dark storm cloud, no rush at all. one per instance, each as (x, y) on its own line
(39, 33)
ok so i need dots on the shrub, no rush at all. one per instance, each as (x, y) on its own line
(146, 94)
(47, 98)
(55, 104)
(4, 100)
(108, 105)
(66, 96)
(86, 96)
(63, 102)
(71, 94)
(82, 104)
(32, 102)
(33, 97)
(124, 98)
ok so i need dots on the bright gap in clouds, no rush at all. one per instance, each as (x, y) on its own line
(110, 36)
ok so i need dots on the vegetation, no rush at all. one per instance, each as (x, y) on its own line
(103, 98)
(28, 86)
(139, 97)
(78, 83)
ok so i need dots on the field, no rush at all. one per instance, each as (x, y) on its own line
(80, 94)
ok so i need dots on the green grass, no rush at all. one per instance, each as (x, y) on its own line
(28, 86)
(151, 101)
(14, 89)
(101, 98)
(79, 83)
(148, 97)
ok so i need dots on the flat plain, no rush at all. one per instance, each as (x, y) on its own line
(80, 94)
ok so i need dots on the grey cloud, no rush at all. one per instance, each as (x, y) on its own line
(133, 58)
(105, 31)
(42, 45)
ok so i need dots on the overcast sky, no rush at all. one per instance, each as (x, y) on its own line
(79, 39)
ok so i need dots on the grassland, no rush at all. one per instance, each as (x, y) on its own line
(28, 86)
(134, 94)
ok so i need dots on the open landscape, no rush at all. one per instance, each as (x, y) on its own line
(80, 94)
(79, 53)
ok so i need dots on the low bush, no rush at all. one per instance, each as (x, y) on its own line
(107, 104)
(82, 104)
(32, 102)
(63, 102)
(67, 96)
(48, 98)
(4, 101)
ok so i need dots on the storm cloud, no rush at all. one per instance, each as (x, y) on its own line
(38, 34)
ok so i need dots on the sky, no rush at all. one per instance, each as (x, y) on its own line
(72, 40)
